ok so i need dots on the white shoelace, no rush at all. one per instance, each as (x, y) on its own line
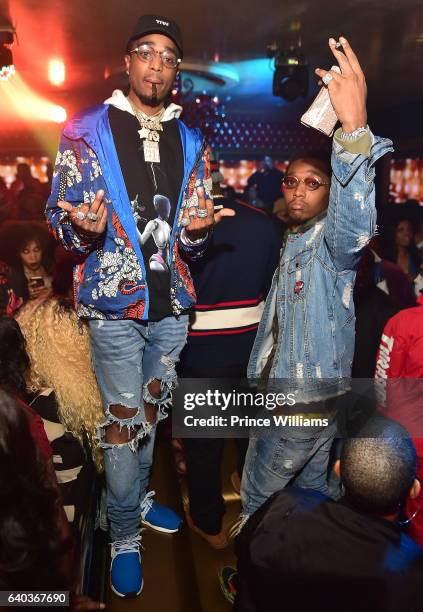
(147, 503)
(127, 545)
(236, 528)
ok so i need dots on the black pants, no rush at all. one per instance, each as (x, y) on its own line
(204, 458)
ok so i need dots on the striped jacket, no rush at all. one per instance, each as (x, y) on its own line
(231, 281)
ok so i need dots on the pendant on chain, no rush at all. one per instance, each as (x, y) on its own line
(151, 151)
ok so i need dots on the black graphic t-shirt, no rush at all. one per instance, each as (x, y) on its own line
(153, 191)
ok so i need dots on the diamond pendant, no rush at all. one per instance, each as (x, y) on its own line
(151, 151)
(143, 132)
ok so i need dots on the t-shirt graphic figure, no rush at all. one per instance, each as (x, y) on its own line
(159, 229)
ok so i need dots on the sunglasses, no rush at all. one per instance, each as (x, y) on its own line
(311, 184)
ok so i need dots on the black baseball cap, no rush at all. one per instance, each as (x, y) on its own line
(154, 24)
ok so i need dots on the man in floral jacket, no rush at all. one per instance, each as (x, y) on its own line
(131, 196)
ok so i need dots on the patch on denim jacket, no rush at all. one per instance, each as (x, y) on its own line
(299, 284)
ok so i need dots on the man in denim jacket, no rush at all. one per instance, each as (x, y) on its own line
(131, 197)
(305, 340)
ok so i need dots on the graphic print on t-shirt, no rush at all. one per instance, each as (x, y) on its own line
(153, 191)
(157, 229)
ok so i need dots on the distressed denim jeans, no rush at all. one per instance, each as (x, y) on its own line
(299, 457)
(127, 356)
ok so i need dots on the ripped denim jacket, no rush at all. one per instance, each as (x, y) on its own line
(305, 341)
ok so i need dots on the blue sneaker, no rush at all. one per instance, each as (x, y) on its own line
(125, 571)
(159, 517)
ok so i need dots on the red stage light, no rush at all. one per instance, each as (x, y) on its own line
(56, 72)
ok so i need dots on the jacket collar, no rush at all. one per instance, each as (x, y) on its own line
(120, 101)
(304, 227)
(85, 124)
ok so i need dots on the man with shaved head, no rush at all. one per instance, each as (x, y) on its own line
(310, 552)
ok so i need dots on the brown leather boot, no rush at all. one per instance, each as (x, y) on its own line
(218, 541)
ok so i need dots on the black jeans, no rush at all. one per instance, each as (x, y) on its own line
(204, 458)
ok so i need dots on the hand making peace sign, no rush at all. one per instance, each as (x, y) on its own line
(347, 90)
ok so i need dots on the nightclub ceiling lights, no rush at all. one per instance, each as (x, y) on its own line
(7, 35)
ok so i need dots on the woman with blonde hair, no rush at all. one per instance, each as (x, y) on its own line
(67, 396)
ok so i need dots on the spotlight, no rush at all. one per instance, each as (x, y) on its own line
(58, 114)
(56, 72)
(290, 79)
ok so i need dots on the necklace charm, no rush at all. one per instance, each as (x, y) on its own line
(143, 133)
(151, 151)
(150, 134)
(153, 135)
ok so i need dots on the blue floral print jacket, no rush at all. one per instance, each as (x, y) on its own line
(110, 278)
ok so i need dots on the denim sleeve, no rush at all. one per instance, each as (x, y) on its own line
(68, 185)
(351, 216)
(202, 177)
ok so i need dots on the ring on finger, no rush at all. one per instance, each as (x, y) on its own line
(202, 213)
(185, 222)
(192, 213)
(92, 216)
(80, 215)
(327, 78)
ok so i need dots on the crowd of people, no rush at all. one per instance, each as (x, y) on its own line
(145, 268)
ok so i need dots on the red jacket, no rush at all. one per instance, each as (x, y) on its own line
(400, 357)
(399, 387)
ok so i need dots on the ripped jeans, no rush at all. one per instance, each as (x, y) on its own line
(127, 356)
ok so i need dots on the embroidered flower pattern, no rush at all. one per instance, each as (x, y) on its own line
(116, 270)
(66, 164)
(89, 197)
(90, 312)
(95, 169)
